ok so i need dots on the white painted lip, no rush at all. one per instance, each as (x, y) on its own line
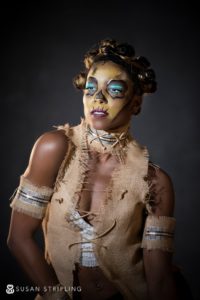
(99, 112)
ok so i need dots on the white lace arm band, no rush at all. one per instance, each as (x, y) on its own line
(31, 199)
(159, 233)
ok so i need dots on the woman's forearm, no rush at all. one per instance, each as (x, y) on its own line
(164, 289)
(31, 259)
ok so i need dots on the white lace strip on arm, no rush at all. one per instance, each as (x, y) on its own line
(31, 199)
(159, 233)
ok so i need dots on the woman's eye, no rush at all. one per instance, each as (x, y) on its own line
(115, 91)
(91, 88)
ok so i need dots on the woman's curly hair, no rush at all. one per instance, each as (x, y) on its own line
(138, 67)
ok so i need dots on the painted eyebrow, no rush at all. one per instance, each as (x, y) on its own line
(94, 70)
(93, 79)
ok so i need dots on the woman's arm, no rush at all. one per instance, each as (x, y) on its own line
(157, 262)
(23, 246)
(45, 160)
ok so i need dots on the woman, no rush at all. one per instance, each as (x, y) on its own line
(107, 211)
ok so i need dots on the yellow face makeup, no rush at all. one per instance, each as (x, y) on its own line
(107, 91)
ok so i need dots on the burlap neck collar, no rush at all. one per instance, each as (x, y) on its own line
(107, 142)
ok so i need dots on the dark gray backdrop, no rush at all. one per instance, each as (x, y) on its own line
(42, 49)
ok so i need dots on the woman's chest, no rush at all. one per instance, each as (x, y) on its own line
(96, 183)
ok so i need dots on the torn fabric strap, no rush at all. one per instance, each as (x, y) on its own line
(159, 233)
(31, 199)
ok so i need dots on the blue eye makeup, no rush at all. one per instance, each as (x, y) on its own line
(116, 89)
(91, 87)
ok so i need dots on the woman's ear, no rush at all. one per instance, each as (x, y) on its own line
(136, 103)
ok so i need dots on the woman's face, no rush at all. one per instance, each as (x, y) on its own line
(107, 95)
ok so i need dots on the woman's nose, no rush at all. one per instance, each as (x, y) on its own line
(100, 96)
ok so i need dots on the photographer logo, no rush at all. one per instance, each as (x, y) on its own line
(10, 289)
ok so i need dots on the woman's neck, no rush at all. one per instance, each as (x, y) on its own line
(116, 138)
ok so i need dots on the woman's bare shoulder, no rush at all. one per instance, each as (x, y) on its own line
(161, 190)
(155, 171)
(46, 157)
(51, 141)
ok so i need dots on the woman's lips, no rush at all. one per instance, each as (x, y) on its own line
(99, 113)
